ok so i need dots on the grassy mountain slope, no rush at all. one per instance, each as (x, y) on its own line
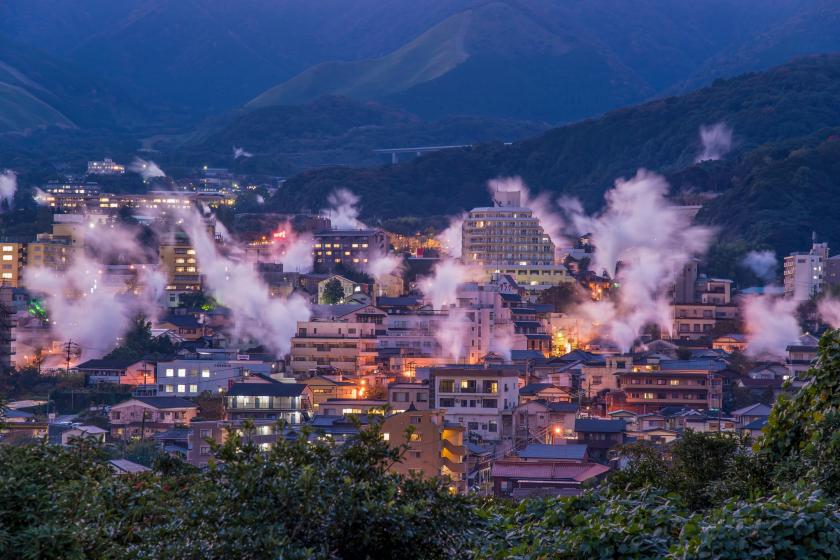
(495, 59)
(38, 90)
(584, 159)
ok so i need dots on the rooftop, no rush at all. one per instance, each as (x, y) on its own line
(571, 451)
(266, 390)
(599, 425)
(166, 402)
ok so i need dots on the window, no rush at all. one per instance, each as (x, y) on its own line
(168, 388)
(447, 403)
(193, 388)
(205, 450)
(597, 379)
(7, 275)
(492, 426)
(386, 436)
(416, 454)
(472, 425)
(205, 373)
(182, 388)
(206, 433)
(446, 385)
(648, 396)
(416, 437)
(422, 397)
(182, 372)
(399, 397)
(115, 414)
(416, 419)
(193, 372)
(489, 403)
(415, 472)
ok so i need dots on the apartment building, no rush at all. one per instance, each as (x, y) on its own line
(435, 448)
(264, 434)
(12, 261)
(265, 401)
(401, 396)
(178, 260)
(341, 337)
(189, 377)
(505, 234)
(476, 397)
(805, 273)
(652, 384)
(348, 247)
(105, 167)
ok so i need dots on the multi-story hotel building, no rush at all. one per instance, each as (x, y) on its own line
(505, 234)
(348, 247)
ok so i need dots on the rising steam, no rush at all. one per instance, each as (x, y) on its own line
(450, 238)
(762, 263)
(256, 315)
(771, 325)
(146, 168)
(8, 188)
(716, 140)
(240, 152)
(343, 211)
(652, 240)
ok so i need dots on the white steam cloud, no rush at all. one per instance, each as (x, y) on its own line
(146, 168)
(382, 266)
(8, 187)
(829, 311)
(343, 211)
(297, 253)
(771, 325)
(762, 263)
(256, 315)
(441, 290)
(652, 240)
(450, 238)
(716, 140)
(240, 152)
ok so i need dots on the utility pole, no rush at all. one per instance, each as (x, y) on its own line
(71, 350)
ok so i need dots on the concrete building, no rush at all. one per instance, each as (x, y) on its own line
(435, 447)
(105, 167)
(320, 389)
(476, 397)
(117, 371)
(7, 329)
(189, 377)
(348, 247)
(401, 396)
(265, 401)
(13, 256)
(203, 432)
(805, 272)
(341, 337)
(505, 234)
(178, 261)
(651, 384)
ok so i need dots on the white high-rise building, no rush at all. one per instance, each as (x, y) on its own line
(805, 272)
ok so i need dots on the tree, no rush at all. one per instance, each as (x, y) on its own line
(333, 292)
(561, 297)
(139, 342)
(803, 432)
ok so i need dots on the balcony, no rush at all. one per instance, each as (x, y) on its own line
(458, 450)
(459, 468)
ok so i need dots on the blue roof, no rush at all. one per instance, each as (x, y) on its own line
(574, 451)
(562, 406)
(525, 355)
(534, 388)
(756, 424)
(672, 365)
(599, 425)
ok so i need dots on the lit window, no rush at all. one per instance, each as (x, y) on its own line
(205, 373)
(8, 257)
(386, 436)
(182, 388)
(7, 275)
(193, 388)
(182, 372)
(168, 388)
(8, 248)
(170, 372)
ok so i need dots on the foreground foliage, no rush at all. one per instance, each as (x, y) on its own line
(707, 499)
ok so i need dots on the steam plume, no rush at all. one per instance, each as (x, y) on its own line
(717, 141)
(240, 152)
(8, 187)
(146, 168)
(384, 265)
(450, 238)
(771, 325)
(653, 241)
(762, 263)
(343, 211)
(829, 311)
(256, 315)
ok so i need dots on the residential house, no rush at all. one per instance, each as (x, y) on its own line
(600, 435)
(517, 478)
(118, 371)
(652, 384)
(543, 392)
(203, 433)
(186, 326)
(342, 407)
(321, 388)
(403, 395)
(573, 452)
(544, 422)
(92, 433)
(191, 375)
(269, 400)
(749, 414)
(143, 417)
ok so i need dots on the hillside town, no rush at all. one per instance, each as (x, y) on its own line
(508, 353)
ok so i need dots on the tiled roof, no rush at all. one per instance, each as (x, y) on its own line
(574, 451)
(757, 409)
(550, 470)
(534, 388)
(599, 425)
(266, 390)
(166, 402)
(107, 364)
